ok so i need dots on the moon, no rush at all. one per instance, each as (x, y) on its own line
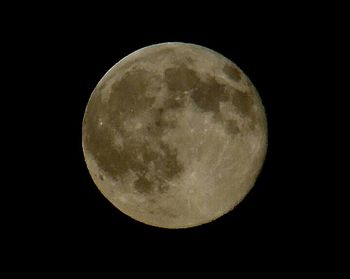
(174, 135)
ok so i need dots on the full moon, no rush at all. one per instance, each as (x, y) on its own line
(174, 135)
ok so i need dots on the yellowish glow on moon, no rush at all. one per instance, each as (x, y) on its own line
(174, 135)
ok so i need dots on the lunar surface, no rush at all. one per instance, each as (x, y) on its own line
(174, 135)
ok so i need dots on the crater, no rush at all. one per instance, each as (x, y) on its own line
(232, 72)
(180, 78)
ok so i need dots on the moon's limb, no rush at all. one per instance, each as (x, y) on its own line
(174, 135)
